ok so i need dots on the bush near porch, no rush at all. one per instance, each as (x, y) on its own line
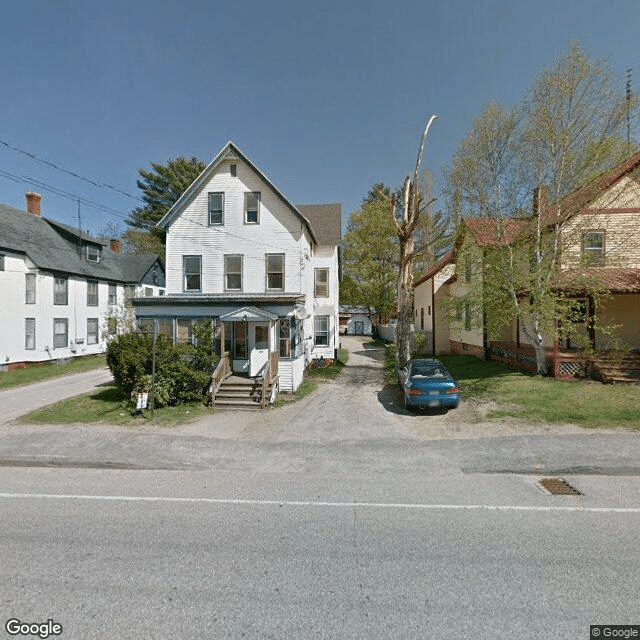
(182, 372)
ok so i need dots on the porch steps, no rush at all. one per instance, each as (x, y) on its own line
(623, 370)
(239, 394)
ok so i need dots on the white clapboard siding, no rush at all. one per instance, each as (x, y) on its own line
(278, 231)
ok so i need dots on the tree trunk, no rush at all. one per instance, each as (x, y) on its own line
(405, 303)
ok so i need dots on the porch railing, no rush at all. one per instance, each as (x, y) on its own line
(220, 373)
(270, 377)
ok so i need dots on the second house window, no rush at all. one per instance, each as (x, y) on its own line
(216, 208)
(192, 269)
(92, 293)
(252, 207)
(321, 288)
(233, 273)
(275, 271)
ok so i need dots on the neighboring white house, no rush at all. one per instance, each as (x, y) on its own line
(264, 270)
(59, 286)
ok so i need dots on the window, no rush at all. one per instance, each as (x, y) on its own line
(192, 269)
(593, 248)
(216, 208)
(165, 326)
(1, 262)
(467, 316)
(285, 338)
(184, 335)
(60, 290)
(92, 330)
(322, 331)
(30, 334)
(93, 253)
(129, 292)
(239, 339)
(422, 318)
(252, 207)
(233, 273)
(148, 292)
(275, 271)
(92, 293)
(60, 332)
(30, 288)
(112, 325)
(321, 286)
(233, 170)
(113, 294)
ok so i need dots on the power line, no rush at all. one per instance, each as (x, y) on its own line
(102, 185)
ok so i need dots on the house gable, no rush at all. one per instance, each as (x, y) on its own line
(205, 182)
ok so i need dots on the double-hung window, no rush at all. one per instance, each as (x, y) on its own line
(275, 271)
(252, 207)
(60, 290)
(321, 283)
(92, 330)
(233, 272)
(284, 341)
(30, 288)
(93, 253)
(192, 269)
(92, 293)
(113, 293)
(60, 332)
(216, 208)
(593, 248)
(322, 331)
(30, 333)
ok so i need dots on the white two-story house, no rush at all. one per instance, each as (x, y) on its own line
(265, 271)
(63, 291)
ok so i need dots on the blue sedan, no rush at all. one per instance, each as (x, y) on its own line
(427, 383)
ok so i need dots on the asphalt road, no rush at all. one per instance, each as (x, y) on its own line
(338, 517)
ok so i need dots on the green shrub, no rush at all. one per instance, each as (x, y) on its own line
(182, 372)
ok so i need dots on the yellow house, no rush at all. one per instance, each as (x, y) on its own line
(600, 251)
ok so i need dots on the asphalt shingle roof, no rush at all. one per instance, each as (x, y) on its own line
(325, 220)
(53, 246)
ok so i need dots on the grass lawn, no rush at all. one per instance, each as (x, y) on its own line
(532, 397)
(36, 373)
(108, 406)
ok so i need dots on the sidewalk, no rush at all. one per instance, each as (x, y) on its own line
(17, 401)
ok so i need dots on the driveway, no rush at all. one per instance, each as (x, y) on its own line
(355, 421)
(17, 401)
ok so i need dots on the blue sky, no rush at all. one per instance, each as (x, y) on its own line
(327, 98)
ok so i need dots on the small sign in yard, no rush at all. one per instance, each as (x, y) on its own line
(142, 401)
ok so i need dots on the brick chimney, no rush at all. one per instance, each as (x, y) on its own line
(33, 202)
(116, 245)
(540, 199)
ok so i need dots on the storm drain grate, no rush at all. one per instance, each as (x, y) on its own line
(558, 487)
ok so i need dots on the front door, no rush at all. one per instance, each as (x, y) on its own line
(259, 344)
(359, 328)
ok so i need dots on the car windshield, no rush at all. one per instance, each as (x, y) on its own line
(426, 370)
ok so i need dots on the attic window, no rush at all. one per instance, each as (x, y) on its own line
(593, 248)
(233, 170)
(252, 207)
(93, 253)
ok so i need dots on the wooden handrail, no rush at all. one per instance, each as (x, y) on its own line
(220, 373)
(269, 377)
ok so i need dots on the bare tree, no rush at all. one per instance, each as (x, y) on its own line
(407, 215)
